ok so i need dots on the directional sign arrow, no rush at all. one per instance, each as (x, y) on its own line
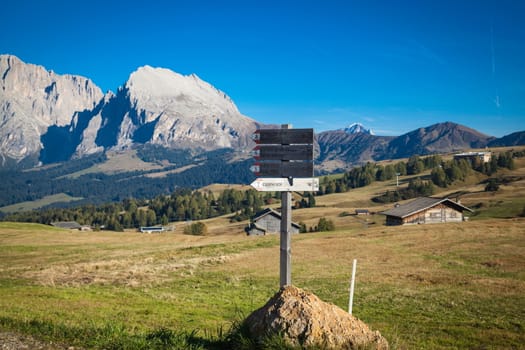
(283, 169)
(283, 136)
(283, 152)
(282, 184)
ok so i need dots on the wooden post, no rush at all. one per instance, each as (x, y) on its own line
(351, 301)
(286, 250)
(285, 243)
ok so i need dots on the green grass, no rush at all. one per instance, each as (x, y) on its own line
(26, 227)
(31, 205)
(500, 208)
(452, 286)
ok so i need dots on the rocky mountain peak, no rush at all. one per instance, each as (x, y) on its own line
(356, 128)
(165, 82)
(159, 106)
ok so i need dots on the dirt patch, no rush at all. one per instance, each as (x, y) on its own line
(15, 341)
(128, 272)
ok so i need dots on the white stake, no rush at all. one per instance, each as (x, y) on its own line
(352, 288)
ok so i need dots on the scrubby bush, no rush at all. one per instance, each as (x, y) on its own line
(196, 229)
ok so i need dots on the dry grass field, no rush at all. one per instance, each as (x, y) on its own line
(433, 286)
(441, 286)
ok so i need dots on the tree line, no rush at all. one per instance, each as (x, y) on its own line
(443, 174)
(182, 205)
(187, 204)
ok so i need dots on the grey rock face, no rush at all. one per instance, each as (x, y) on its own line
(56, 117)
(161, 107)
(32, 99)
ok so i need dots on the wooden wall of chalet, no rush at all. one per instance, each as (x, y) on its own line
(393, 221)
(438, 214)
(272, 224)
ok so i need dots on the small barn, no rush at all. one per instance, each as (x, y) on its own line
(268, 221)
(362, 212)
(426, 210)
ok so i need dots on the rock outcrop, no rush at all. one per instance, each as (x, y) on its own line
(32, 99)
(161, 107)
(53, 118)
(304, 319)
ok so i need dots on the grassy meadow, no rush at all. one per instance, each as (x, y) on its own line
(31, 205)
(448, 286)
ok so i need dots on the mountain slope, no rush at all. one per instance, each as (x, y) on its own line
(48, 117)
(339, 149)
(514, 139)
(437, 138)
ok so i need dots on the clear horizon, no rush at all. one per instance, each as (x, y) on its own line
(322, 64)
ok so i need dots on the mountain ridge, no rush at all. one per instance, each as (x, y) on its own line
(155, 106)
(49, 118)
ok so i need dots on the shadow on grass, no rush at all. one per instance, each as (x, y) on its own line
(118, 337)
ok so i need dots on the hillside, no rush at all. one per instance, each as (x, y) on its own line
(161, 131)
(514, 139)
(437, 138)
(189, 289)
(341, 150)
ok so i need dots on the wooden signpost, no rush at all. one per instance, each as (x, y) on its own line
(285, 164)
(283, 169)
(283, 184)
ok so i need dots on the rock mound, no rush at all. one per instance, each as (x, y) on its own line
(304, 319)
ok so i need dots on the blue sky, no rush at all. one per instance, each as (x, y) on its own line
(393, 66)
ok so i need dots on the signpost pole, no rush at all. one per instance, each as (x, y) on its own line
(286, 242)
(285, 163)
(286, 250)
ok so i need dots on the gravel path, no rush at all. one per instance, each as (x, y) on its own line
(15, 341)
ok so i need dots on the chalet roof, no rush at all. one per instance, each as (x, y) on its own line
(67, 224)
(421, 204)
(267, 211)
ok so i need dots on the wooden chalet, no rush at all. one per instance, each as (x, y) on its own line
(426, 210)
(483, 157)
(268, 221)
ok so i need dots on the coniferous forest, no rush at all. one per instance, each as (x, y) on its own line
(100, 188)
(187, 204)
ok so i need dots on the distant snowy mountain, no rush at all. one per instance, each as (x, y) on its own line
(357, 128)
(341, 149)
